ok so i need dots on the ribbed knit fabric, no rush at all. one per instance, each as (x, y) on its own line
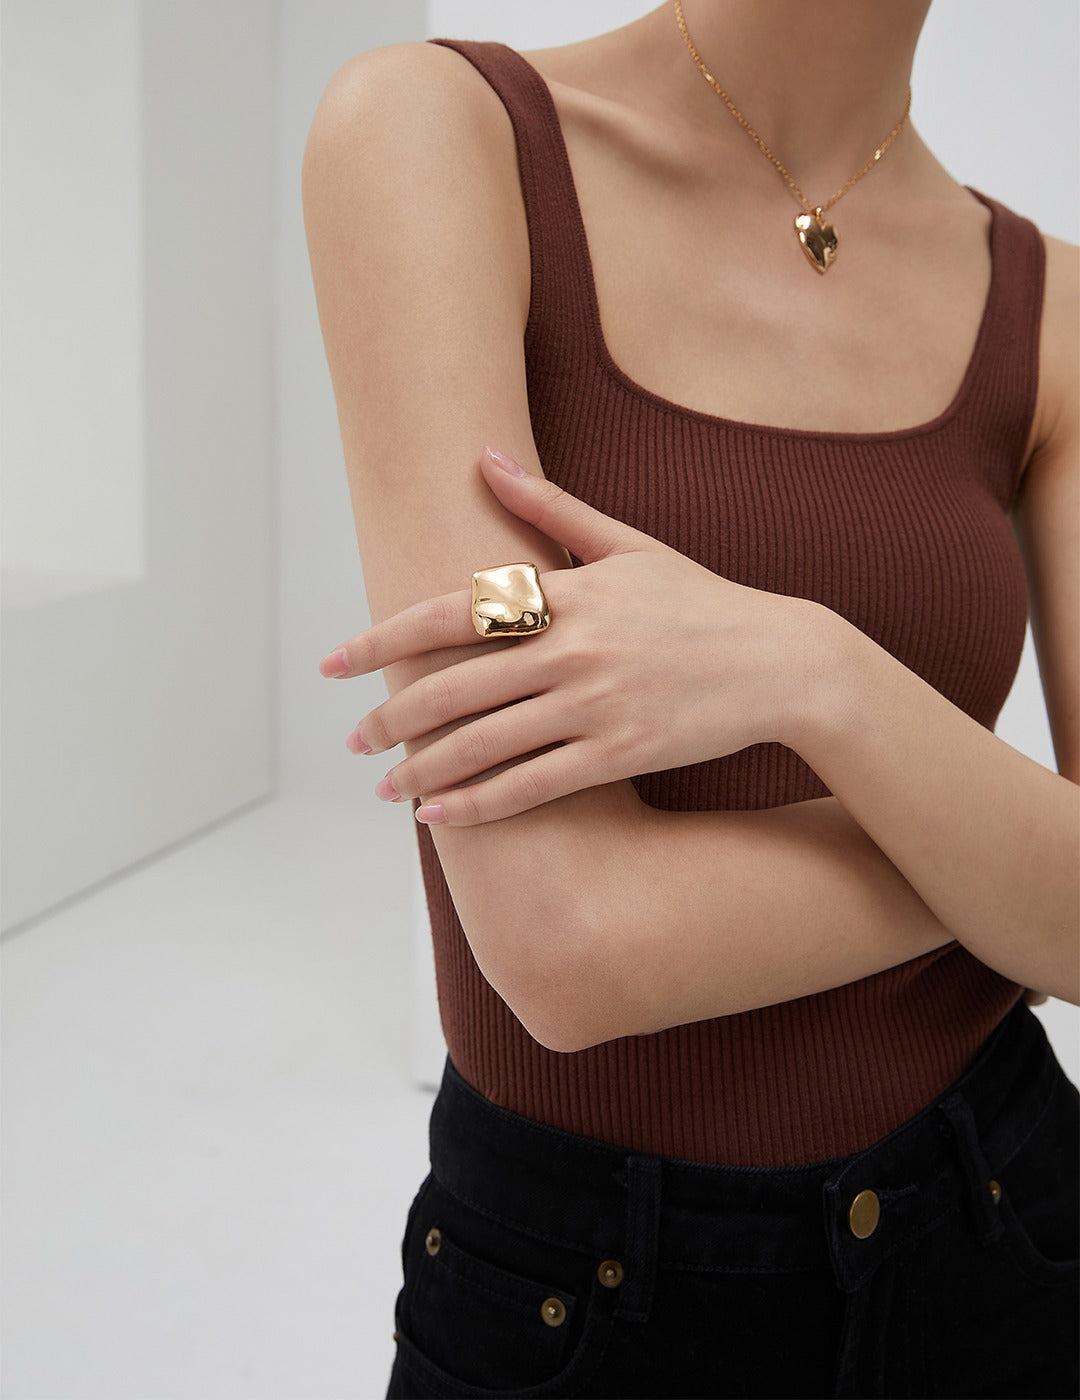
(906, 534)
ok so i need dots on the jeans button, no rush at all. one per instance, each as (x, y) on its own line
(995, 1191)
(610, 1273)
(864, 1214)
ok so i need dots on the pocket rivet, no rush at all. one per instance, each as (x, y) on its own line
(995, 1191)
(553, 1311)
(610, 1273)
(433, 1241)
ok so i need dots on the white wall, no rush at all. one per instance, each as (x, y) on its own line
(529, 26)
(72, 202)
(137, 686)
(995, 95)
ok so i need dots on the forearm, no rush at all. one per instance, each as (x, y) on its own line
(936, 831)
(989, 838)
(728, 911)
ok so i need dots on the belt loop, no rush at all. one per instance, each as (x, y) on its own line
(643, 1175)
(988, 1223)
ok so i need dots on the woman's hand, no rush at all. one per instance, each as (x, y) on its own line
(651, 661)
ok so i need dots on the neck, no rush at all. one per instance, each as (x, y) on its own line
(823, 84)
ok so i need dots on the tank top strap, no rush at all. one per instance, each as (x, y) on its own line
(561, 287)
(1003, 376)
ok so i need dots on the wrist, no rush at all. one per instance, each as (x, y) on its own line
(818, 678)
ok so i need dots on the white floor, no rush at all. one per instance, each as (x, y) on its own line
(210, 1138)
(210, 1134)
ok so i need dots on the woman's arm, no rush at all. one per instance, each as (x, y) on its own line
(733, 911)
(989, 838)
(420, 258)
(730, 911)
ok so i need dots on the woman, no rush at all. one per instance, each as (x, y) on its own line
(734, 892)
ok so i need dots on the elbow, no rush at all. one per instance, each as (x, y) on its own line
(558, 1013)
(561, 1026)
(554, 1033)
(568, 994)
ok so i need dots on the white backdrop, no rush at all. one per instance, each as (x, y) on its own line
(138, 690)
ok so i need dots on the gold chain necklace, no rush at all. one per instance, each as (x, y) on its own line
(818, 239)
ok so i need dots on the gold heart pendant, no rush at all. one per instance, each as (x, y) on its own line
(818, 239)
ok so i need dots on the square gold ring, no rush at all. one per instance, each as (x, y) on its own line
(508, 601)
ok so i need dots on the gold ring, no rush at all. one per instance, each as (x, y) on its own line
(508, 601)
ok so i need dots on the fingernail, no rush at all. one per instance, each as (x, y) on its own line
(431, 812)
(507, 463)
(336, 664)
(386, 791)
(355, 743)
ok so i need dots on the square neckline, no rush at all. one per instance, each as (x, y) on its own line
(718, 421)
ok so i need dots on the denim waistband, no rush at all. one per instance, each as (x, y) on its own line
(661, 1211)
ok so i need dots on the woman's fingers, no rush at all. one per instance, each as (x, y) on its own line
(443, 621)
(468, 688)
(475, 748)
(562, 770)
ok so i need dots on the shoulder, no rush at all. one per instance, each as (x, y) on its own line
(411, 157)
(1057, 417)
(415, 101)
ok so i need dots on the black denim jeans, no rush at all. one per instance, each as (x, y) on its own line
(940, 1261)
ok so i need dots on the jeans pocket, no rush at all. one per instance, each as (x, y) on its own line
(1040, 1192)
(481, 1313)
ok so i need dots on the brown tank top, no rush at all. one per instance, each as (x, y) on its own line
(906, 534)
